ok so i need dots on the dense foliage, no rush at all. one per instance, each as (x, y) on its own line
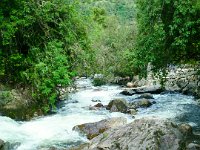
(168, 33)
(112, 35)
(38, 42)
(43, 43)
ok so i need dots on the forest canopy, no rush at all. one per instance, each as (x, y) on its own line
(44, 43)
(168, 33)
(37, 40)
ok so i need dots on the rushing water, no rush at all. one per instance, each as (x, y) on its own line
(56, 130)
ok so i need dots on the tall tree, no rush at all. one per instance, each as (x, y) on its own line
(168, 33)
(37, 40)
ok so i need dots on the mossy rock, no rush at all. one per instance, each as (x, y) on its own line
(118, 105)
(92, 130)
(5, 97)
(18, 105)
(144, 103)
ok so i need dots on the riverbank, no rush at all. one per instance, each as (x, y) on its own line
(17, 103)
(145, 133)
(56, 130)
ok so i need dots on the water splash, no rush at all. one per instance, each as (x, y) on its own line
(56, 130)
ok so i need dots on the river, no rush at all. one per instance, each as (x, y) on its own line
(56, 130)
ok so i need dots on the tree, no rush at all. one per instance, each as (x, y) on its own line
(168, 33)
(37, 40)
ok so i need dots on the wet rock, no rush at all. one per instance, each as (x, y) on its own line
(118, 105)
(153, 102)
(75, 101)
(132, 111)
(186, 129)
(128, 92)
(94, 129)
(98, 105)
(93, 108)
(2, 144)
(143, 90)
(130, 85)
(142, 134)
(96, 100)
(143, 103)
(18, 104)
(193, 146)
(146, 96)
(148, 89)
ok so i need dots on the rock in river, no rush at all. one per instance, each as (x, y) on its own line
(94, 129)
(144, 103)
(118, 105)
(146, 95)
(128, 92)
(142, 134)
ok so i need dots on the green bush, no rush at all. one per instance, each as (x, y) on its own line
(37, 45)
(99, 81)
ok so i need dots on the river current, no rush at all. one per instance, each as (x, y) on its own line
(56, 130)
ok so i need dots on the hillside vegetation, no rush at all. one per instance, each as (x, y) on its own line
(45, 43)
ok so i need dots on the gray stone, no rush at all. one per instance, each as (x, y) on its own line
(132, 111)
(193, 146)
(118, 105)
(142, 134)
(98, 105)
(154, 89)
(94, 129)
(186, 129)
(130, 85)
(18, 104)
(143, 103)
(146, 96)
(96, 100)
(128, 92)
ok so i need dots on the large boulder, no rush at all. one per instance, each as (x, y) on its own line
(18, 104)
(130, 85)
(154, 89)
(94, 129)
(144, 103)
(118, 105)
(142, 134)
(128, 92)
(186, 129)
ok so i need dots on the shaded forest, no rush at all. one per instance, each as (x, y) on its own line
(44, 44)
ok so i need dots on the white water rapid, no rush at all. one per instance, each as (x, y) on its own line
(56, 130)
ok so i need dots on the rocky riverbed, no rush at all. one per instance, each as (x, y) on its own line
(92, 104)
